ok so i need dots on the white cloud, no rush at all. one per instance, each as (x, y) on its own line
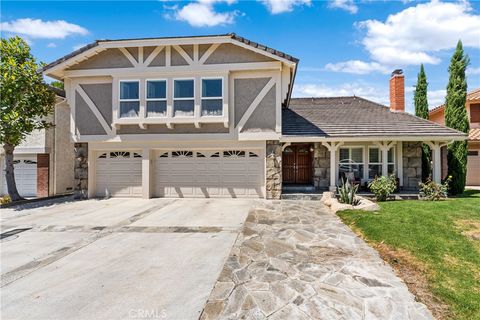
(436, 97)
(51, 45)
(473, 71)
(347, 5)
(366, 91)
(412, 36)
(357, 67)
(37, 28)
(281, 6)
(202, 13)
(78, 46)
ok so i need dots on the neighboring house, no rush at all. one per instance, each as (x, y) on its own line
(43, 163)
(211, 116)
(473, 111)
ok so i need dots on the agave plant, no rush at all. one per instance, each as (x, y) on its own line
(347, 193)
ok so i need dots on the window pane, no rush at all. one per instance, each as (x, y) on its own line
(344, 155)
(211, 87)
(156, 90)
(374, 155)
(183, 108)
(357, 155)
(183, 89)
(129, 109)
(391, 169)
(374, 170)
(212, 107)
(391, 154)
(156, 108)
(129, 90)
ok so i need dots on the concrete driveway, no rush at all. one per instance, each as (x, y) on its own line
(116, 258)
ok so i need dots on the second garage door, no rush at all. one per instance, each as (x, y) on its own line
(209, 173)
(119, 173)
(473, 168)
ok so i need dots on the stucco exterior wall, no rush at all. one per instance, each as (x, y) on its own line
(245, 91)
(159, 60)
(178, 128)
(85, 121)
(229, 53)
(110, 58)
(101, 95)
(64, 156)
(177, 59)
(263, 119)
(412, 165)
(34, 140)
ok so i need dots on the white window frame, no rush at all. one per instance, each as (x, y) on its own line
(394, 152)
(212, 98)
(156, 99)
(120, 100)
(183, 99)
(380, 153)
(362, 174)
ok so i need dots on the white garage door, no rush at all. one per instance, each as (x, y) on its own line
(119, 173)
(473, 168)
(25, 168)
(209, 173)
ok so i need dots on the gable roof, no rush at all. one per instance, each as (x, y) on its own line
(471, 96)
(355, 117)
(233, 36)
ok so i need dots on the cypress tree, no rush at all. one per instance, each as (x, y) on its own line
(456, 118)
(421, 110)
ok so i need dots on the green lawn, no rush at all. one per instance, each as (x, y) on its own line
(431, 232)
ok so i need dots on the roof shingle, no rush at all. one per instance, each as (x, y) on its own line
(354, 117)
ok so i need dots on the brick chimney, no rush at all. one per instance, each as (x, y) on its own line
(397, 91)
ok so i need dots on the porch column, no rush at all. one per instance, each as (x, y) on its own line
(437, 160)
(146, 174)
(333, 147)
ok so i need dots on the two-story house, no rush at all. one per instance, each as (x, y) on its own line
(212, 116)
(472, 105)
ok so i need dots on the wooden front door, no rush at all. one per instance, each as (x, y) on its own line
(297, 164)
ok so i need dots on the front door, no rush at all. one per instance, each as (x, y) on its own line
(297, 164)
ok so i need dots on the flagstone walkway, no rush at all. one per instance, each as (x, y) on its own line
(297, 260)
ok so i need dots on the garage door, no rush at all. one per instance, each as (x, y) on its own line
(209, 173)
(473, 168)
(119, 174)
(25, 168)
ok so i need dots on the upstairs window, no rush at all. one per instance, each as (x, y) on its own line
(475, 113)
(212, 97)
(129, 99)
(156, 97)
(183, 98)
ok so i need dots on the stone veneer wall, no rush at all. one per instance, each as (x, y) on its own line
(412, 165)
(81, 170)
(321, 166)
(273, 170)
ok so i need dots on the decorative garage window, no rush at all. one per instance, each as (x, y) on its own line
(215, 155)
(164, 155)
(129, 99)
(16, 161)
(472, 153)
(183, 97)
(119, 154)
(29, 162)
(137, 155)
(234, 153)
(252, 155)
(182, 154)
(212, 97)
(156, 97)
(102, 156)
(200, 155)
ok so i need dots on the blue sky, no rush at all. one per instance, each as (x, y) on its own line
(345, 47)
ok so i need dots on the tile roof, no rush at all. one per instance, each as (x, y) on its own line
(471, 96)
(354, 117)
(474, 134)
(231, 35)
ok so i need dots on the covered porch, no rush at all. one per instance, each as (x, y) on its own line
(319, 164)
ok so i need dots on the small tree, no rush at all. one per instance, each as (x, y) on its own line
(456, 118)
(57, 84)
(421, 110)
(25, 101)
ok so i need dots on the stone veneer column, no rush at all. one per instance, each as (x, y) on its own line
(412, 165)
(273, 170)
(321, 166)
(43, 166)
(81, 170)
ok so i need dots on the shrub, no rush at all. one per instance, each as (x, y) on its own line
(434, 191)
(5, 199)
(347, 193)
(382, 187)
